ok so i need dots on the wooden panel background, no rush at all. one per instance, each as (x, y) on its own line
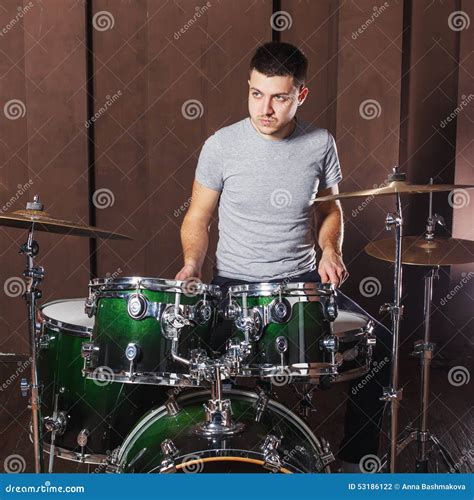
(150, 65)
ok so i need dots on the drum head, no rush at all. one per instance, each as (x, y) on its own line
(347, 321)
(68, 314)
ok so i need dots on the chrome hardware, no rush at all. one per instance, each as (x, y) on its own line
(236, 352)
(90, 306)
(280, 310)
(24, 387)
(56, 424)
(251, 324)
(330, 343)
(137, 306)
(281, 344)
(330, 308)
(88, 350)
(202, 312)
(172, 321)
(271, 457)
(132, 351)
(83, 437)
(43, 341)
(261, 405)
(232, 310)
(326, 456)
(170, 452)
(35, 204)
(172, 405)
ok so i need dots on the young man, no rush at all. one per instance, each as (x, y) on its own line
(263, 171)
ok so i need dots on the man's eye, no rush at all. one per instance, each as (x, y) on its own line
(281, 98)
(256, 94)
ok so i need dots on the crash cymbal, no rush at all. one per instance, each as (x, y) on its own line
(394, 187)
(418, 251)
(44, 222)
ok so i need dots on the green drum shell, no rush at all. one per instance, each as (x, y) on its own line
(299, 450)
(115, 329)
(305, 359)
(107, 410)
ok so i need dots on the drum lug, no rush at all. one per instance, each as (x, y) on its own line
(279, 310)
(330, 343)
(56, 424)
(326, 456)
(43, 341)
(172, 405)
(272, 460)
(251, 324)
(170, 452)
(261, 405)
(83, 437)
(172, 321)
(90, 305)
(24, 387)
(137, 306)
(232, 311)
(330, 308)
(89, 353)
(201, 312)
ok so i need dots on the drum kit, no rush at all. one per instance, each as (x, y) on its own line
(130, 376)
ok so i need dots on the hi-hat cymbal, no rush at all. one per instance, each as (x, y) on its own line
(418, 251)
(395, 187)
(44, 222)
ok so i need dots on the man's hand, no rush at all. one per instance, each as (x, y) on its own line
(331, 268)
(188, 271)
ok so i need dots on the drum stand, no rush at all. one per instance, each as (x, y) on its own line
(34, 276)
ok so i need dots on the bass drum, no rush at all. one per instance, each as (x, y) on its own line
(164, 441)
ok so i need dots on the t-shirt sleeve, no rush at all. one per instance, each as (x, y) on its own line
(331, 168)
(209, 171)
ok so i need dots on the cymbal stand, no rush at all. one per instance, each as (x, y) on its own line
(34, 276)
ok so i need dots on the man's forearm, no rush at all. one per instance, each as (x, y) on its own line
(330, 229)
(195, 240)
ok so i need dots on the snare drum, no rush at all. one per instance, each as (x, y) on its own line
(288, 327)
(356, 342)
(147, 329)
(83, 419)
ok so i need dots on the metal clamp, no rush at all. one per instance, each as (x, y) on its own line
(271, 457)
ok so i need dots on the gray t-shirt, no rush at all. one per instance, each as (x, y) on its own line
(265, 207)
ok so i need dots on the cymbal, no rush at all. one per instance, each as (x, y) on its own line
(418, 251)
(44, 222)
(394, 187)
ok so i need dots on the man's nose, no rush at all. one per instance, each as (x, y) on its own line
(267, 106)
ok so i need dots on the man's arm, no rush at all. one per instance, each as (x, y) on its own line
(195, 230)
(330, 234)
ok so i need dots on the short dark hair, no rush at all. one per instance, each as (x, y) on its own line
(280, 59)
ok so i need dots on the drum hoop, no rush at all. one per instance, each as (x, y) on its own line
(153, 284)
(143, 424)
(228, 458)
(270, 289)
(62, 326)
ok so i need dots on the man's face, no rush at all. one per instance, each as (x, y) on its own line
(273, 101)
